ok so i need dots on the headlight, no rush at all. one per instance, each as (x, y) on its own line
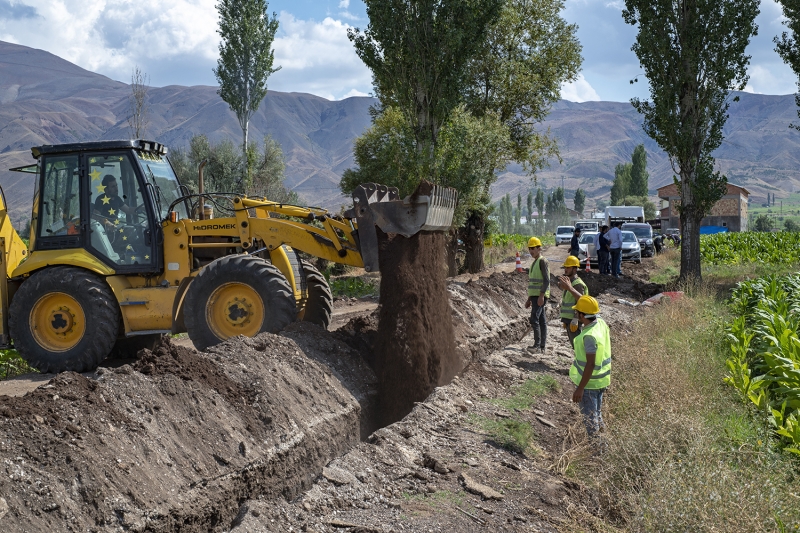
(649, 241)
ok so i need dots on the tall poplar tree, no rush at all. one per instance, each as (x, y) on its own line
(622, 180)
(245, 59)
(580, 201)
(692, 53)
(639, 176)
(530, 208)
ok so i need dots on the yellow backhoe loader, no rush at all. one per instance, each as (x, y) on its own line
(121, 253)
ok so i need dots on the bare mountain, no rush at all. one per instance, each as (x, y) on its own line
(46, 100)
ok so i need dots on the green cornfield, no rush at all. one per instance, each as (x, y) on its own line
(749, 247)
(764, 363)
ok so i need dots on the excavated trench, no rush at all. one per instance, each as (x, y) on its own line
(179, 440)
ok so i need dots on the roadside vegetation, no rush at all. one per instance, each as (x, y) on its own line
(685, 451)
(499, 247)
(764, 360)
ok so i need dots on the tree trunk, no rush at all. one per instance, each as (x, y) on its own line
(690, 224)
(472, 234)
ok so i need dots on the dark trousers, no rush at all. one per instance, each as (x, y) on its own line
(616, 261)
(603, 261)
(539, 322)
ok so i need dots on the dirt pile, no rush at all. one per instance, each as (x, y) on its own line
(175, 443)
(415, 347)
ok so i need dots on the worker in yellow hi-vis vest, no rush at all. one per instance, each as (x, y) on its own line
(591, 369)
(538, 293)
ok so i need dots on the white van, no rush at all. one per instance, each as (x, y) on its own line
(564, 234)
(587, 225)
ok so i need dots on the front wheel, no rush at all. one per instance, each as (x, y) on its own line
(237, 295)
(64, 318)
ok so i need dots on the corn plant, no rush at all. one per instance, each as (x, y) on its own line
(748, 247)
(764, 363)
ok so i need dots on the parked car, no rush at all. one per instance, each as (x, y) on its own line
(631, 249)
(672, 231)
(586, 245)
(644, 233)
(564, 234)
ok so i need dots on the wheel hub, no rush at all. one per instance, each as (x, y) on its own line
(235, 309)
(57, 322)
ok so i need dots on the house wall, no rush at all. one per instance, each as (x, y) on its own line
(730, 211)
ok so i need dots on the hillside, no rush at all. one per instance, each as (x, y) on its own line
(46, 100)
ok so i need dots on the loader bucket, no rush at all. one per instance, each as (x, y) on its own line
(429, 208)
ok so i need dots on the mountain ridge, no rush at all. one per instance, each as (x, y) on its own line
(47, 100)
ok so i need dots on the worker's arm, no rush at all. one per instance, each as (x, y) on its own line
(565, 284)
(577, 396)
(546, 276)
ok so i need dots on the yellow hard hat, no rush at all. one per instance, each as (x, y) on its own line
(534, 241)
(572, 261)
(587, 305)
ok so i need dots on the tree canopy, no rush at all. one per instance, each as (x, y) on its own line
(787, 44)
(418, 52)
(530, 50)
(692, 53)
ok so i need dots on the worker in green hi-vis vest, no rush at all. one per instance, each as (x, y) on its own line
(538, 293)
(591, 369)
(573, 287)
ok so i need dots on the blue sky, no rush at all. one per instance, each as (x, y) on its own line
(175, 43)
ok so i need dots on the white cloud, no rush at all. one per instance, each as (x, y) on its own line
(175, 43)
(766, 79)
(354, 92)
(318, 58)
(344, 4)
(111, 37)
(579, 90)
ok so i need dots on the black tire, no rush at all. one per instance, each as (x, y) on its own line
(319, 303)
(267, 300)
(94, 305)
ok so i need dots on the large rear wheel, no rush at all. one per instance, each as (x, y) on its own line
(64, 318)
(237, 295)
(319, 303)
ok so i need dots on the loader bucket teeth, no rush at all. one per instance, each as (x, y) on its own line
(429, 208)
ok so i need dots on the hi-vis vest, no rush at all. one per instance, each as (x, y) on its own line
(567, 312)
(536, 280)
(601, 376)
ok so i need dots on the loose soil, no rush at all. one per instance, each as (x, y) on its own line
(414, 348)
(277, 433)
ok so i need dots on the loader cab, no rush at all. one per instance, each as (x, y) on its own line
(108, 198)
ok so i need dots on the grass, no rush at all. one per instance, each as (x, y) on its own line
(509, 433)
(352, 287)
(524, 396)
(12, 364)
(684, 452)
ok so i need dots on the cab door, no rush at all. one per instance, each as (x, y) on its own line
(120, 225)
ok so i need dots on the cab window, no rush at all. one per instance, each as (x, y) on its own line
(60, 202)
(119, 229)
